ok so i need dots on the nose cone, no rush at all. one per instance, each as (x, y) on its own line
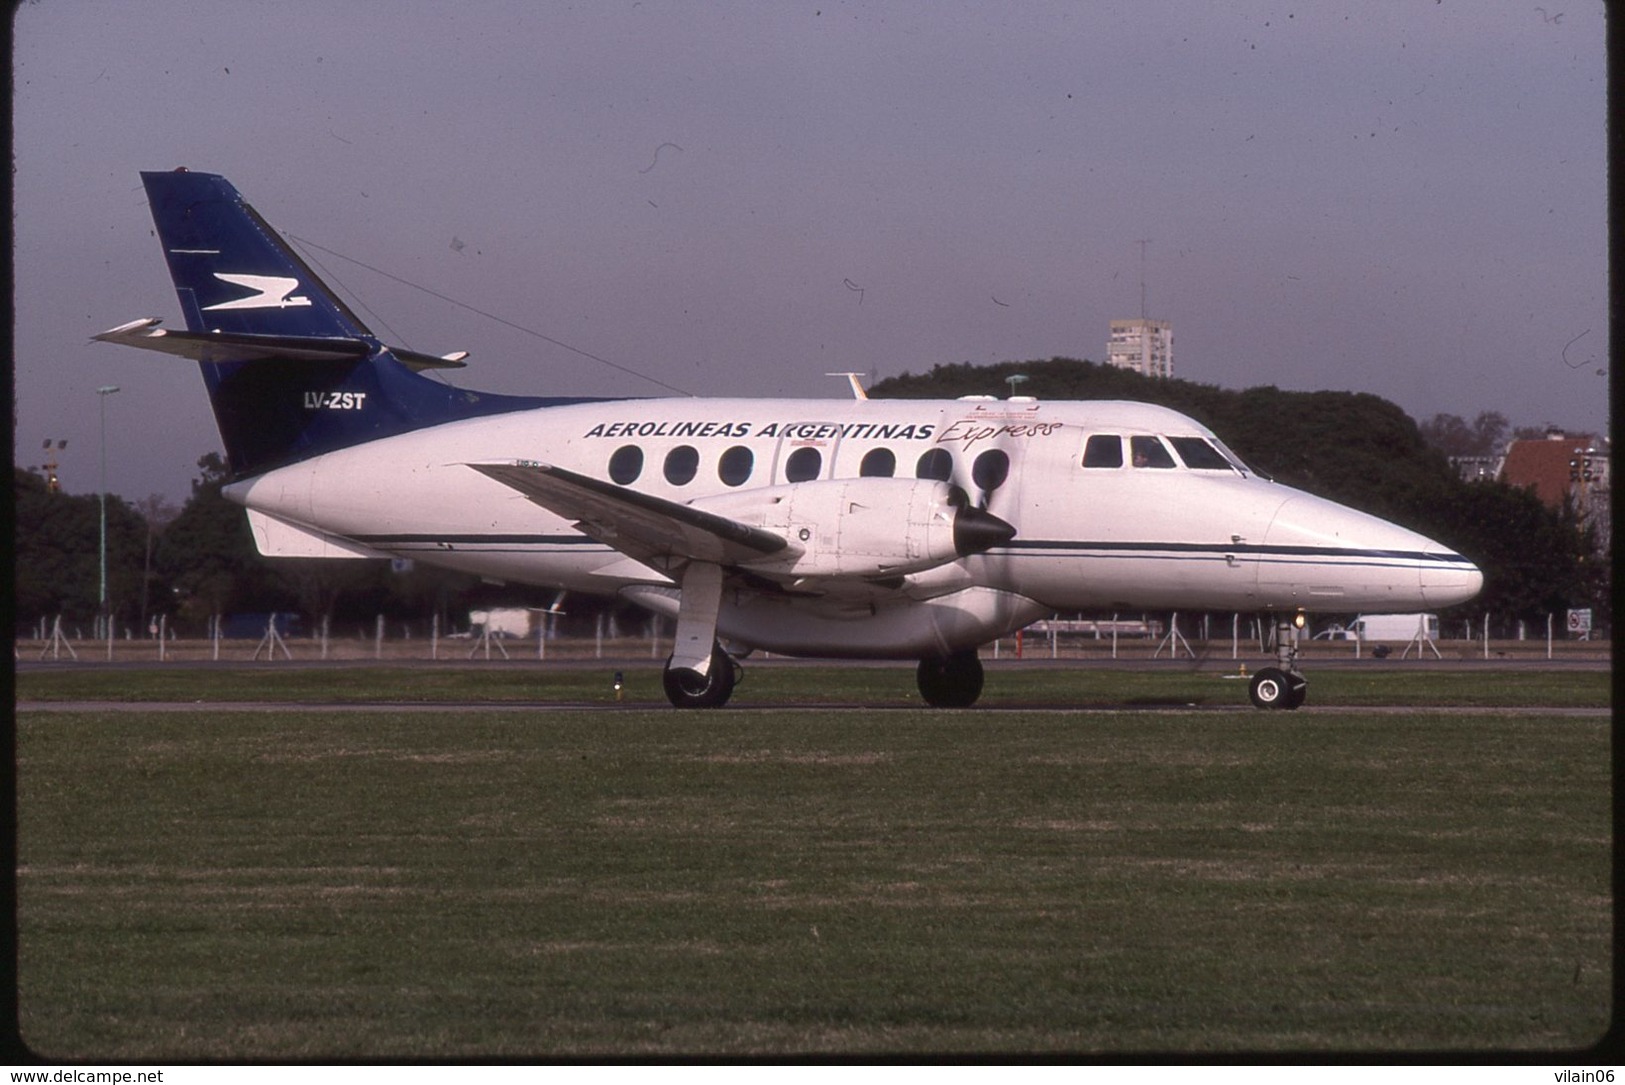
(976, 531)
(1448, 578)
(1331, 557)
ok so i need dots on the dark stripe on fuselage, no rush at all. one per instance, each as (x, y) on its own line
(1160, 551)
(1235, 549)
(387, 541)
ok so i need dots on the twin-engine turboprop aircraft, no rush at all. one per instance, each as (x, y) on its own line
(901, 529)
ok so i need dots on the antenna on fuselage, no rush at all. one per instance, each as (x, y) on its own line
(852, 379)
(1144, 241)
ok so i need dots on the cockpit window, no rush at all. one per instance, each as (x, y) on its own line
(1198, 454)
(1103, 450)
(1150, 452)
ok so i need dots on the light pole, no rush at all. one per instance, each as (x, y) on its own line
(102, 393)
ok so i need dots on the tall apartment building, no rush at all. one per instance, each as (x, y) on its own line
(1145, 346)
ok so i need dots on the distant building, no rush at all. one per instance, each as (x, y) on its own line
(1476, 468)
(1145, 346)
(1564, 469)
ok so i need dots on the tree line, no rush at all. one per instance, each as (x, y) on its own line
(192, 563)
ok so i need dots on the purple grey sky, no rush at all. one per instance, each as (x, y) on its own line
(1405, 197)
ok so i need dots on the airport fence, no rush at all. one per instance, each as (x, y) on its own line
(1242, 638)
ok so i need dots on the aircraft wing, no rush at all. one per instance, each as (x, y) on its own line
(662, 534)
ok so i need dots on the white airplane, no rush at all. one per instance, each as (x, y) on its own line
(863, 528)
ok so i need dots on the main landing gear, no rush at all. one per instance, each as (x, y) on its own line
(688, 688)
(1282, 686)
(952, 681)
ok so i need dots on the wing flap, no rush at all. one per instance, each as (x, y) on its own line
(655, 531)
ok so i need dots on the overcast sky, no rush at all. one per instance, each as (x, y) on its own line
(1405, 197)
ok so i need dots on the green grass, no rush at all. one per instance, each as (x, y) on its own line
(1011, 685)
(308, 885)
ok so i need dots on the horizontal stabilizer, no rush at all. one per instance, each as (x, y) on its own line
(222, 347)
(651, 529)
(419, 362)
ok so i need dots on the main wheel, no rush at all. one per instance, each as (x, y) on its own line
(687, 688)
(953, 681)
(1274, 688)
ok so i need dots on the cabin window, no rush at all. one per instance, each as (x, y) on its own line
(626, 464)
(878, 463)
(735, 465)
(936, 463)
(1103, 450)
(803, 465)
(990, 470)
(1198, 454)
(1150, 452)
(681, 463)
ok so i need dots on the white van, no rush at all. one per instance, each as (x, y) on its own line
(1404, 627)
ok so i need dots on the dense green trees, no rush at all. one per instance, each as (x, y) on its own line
(56, 554)
(1455, 436)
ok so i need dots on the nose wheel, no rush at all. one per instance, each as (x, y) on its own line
(1273, 687)
(1281, 686)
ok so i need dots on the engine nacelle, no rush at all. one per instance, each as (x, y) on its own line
(861, 527)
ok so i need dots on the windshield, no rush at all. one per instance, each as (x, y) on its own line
(1199, 455)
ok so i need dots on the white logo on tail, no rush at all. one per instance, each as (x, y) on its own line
(272, 292)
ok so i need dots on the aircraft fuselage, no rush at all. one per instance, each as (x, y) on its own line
(1174, 523)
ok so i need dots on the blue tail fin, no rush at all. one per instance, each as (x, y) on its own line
(232, 272)
(291, 371)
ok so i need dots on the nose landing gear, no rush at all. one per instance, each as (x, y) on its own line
(1282, 686)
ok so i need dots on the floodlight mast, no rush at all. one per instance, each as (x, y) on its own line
(101, 599)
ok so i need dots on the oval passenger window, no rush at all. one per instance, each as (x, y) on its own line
(803, 465)
(681, 463)
(626, 464)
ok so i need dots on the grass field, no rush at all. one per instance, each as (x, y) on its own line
(369, 884)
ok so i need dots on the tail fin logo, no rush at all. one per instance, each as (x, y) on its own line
(270, 292)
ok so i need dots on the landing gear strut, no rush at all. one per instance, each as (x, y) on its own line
(1282, 686)
(952, 681)
(688, 688)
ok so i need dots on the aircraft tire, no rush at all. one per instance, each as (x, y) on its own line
(1297, 689)
(687, 688)
(1272, 687)
(953, 681)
